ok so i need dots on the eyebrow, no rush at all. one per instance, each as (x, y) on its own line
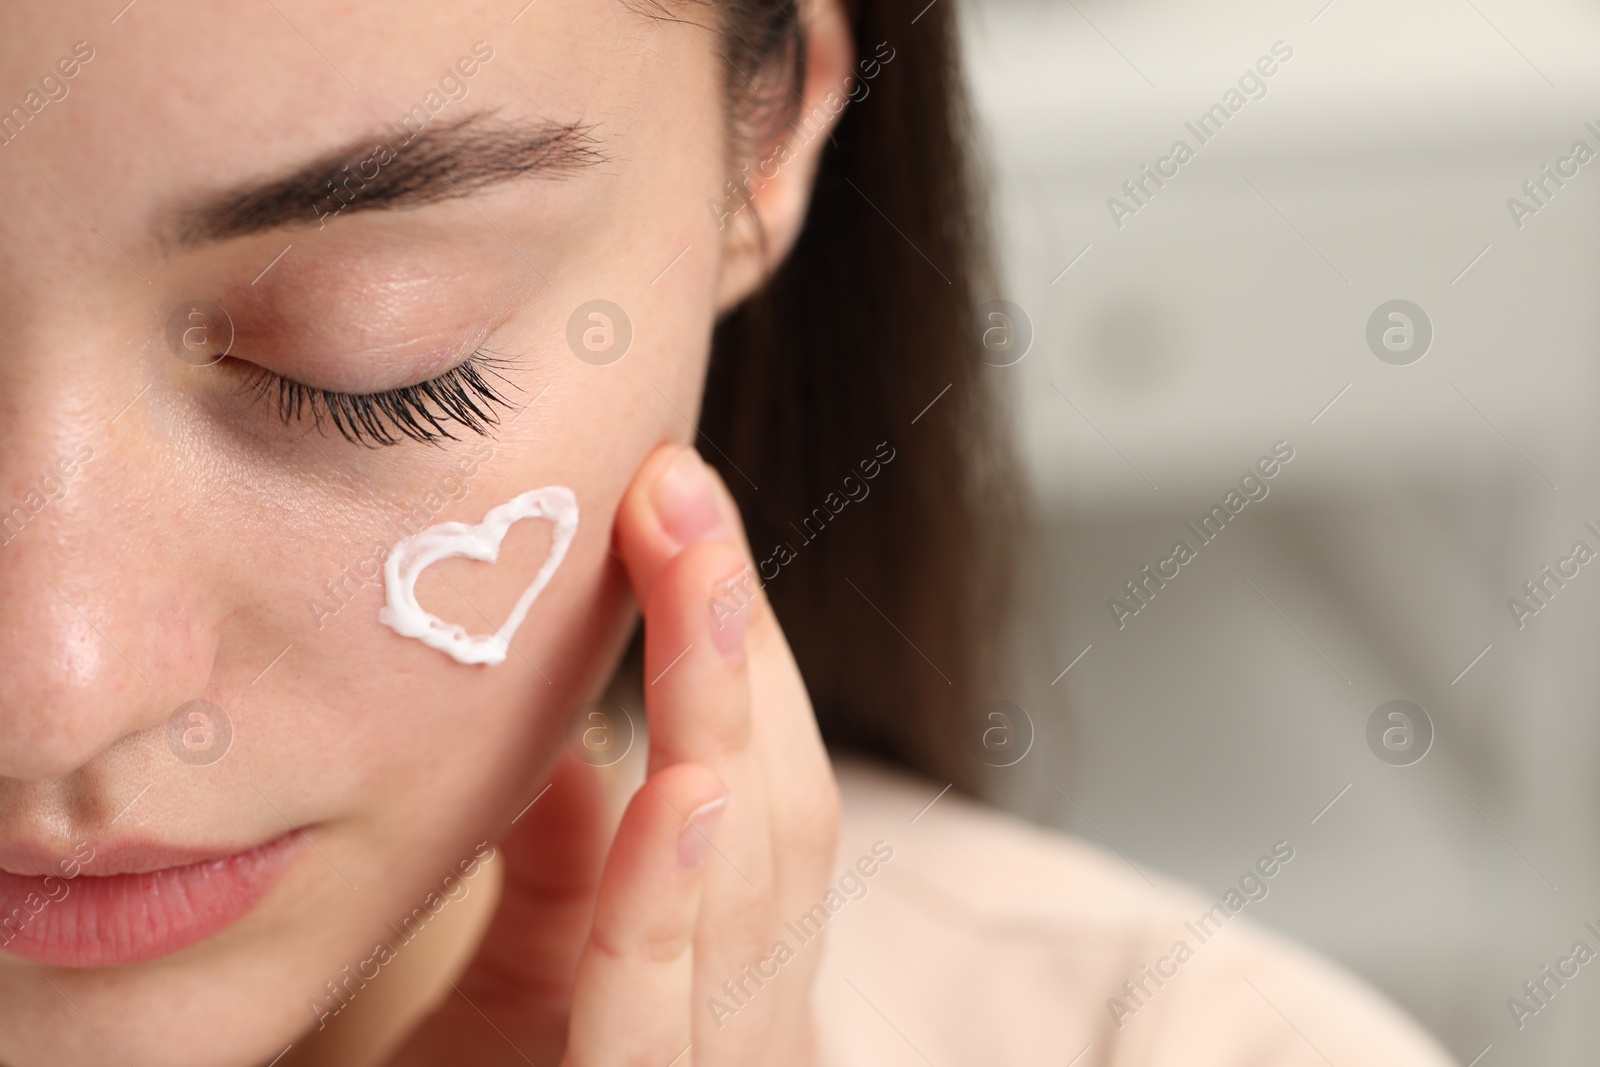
(429, 165)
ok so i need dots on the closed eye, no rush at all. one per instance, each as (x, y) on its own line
(467, 397)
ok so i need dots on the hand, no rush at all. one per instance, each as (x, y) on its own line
(665, 948)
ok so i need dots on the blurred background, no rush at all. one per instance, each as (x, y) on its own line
(1230, 312)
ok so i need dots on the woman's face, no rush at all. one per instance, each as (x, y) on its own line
(169, 538)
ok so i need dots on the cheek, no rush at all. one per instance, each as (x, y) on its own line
(366, 714)
(395, 709)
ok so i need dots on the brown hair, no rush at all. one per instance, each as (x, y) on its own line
(891, 590)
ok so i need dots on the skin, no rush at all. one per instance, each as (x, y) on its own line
(185, 556)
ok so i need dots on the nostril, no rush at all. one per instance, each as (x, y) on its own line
(43, 747)
(65, 738)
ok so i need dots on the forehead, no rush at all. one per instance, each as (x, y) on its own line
(180, 89)
(178, 99)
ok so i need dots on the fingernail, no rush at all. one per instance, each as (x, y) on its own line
(696, 837)
(685, 501)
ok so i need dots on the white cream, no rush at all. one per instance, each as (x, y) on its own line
(408, 559)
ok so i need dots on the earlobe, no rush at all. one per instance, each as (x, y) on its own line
(761, 207)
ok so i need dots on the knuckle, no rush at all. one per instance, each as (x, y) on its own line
(645, 946)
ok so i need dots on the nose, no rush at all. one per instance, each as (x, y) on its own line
(96, 640)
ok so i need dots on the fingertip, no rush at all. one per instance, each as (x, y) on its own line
(697, 797)
(684, 497)
(688, 787)
(675, 500)
(678, 803)
(637, 535)
(665, 831)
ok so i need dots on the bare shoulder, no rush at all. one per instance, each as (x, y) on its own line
(958, 935)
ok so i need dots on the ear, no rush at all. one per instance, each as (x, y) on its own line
(764, 201)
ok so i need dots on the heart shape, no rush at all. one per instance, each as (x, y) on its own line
(408, 559)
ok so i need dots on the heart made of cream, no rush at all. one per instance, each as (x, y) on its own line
(448, 540)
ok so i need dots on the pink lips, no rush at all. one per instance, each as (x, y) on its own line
(130, 904)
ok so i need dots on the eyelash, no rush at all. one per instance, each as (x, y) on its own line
(466, 395)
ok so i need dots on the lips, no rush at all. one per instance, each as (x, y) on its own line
(133, 904)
